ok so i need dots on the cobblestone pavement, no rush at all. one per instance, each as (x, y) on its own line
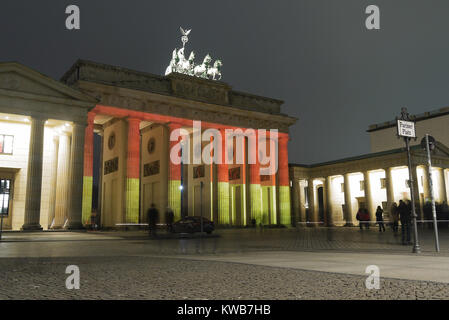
(165, 278)
(128, 265)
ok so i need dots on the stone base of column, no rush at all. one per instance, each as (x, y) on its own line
(32, 227)
(132, 200)
(285, 206)
(74, 226)
(87, 199)
(223, 203)
(255, 202)
(349, 224)
(174, 197)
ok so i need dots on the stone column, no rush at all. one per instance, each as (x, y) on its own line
(329, 199)
(53, 180)
(34, 176)
(426, 185)
(62, 182)
(88, 169)
(389, 187)
(284, 181)
(75, 200)
(313, 210)
(302, 204)
(369, 196)
(133, 171)
(174, 176)
(223, 185)
(296, 203)
(348, 202)
(442, 183)
(255, 191)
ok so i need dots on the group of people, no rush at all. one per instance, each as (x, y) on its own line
(153, 218)
(401, 212)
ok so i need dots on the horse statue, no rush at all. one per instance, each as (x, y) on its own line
(174, 61)
(188, 65)
(182, 61)
(201, 70)
(215, 70)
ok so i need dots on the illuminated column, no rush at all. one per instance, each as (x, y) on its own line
(133, 171)
(426, 185)
(284, 182)
(442, 185)
(302, 204)
(34, 176)
(174, 177)
(313, 212)
(328, 200)
(255, 191)
(223, 185)
(76, 178)
(389, 186)
(53, 180)
(62, 182)
(296, 203)
(88, 169)
(369, 196)
(418, 205)
(348, 201)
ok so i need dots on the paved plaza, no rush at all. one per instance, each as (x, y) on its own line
(305, 263)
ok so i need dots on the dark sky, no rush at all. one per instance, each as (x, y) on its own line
(316, 55)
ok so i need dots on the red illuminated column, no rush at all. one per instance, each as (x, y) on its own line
(284, 181)
(223, 184)
(88, 169)
(132, 171)
(174, 176)
(255, 192)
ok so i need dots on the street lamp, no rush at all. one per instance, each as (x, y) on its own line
(406, 130)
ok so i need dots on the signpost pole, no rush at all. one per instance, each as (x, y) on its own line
(406, 129)
(434, 214)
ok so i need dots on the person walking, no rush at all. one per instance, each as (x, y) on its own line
(152, 220)
(366, 218)
(169, 219)
(395, 217)
(359, 218)
(380, 219)
(405, 217)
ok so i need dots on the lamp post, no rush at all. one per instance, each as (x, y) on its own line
(406, 130)
(429, 143)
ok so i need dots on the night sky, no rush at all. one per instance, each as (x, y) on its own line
(333, 74)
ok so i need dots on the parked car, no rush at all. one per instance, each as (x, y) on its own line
(192, 225)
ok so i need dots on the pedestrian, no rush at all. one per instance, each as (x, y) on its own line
(395, 217)
(93, 221)
(359, 217)
(380, 219)
(169, 219)
(405, 218)
(152, 219)
(366, 218)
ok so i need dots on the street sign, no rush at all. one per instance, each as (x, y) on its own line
(406, 128)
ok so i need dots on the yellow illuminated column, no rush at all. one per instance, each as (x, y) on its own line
(442, 185)
(348, 202)
(223, 185)
(88, 169)
(389, 187)
(133, 171)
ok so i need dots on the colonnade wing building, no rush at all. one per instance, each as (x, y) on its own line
(331, 193)
(47, 134)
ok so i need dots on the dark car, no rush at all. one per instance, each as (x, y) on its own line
(192, 225)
